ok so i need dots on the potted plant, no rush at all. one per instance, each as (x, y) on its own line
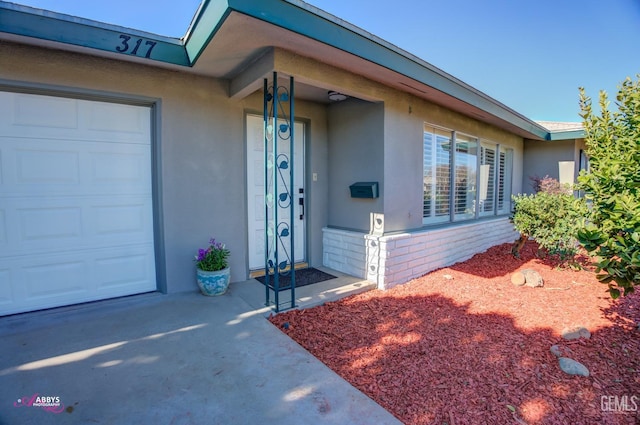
(212, 269)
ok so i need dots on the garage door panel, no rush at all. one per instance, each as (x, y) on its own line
(2, 166)
(34, 168)
(3, 227)
(35, 113)
(57, 279)
(128, 169)
(47, 167)
(76, 276)
(130, 121)
(121, 219)
(76, 209)
(41, 225)
(6, 289)
(115, 269)
(133, 269)
(37, 116)
(64, 223)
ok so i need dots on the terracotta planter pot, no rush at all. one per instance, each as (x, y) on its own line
(213, 283)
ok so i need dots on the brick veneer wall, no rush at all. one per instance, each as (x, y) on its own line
(390, 260)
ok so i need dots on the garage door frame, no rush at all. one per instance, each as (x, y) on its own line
(155, 105)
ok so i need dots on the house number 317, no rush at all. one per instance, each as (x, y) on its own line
(129, 46)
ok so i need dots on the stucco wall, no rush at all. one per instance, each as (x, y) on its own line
(541, 159)
(201, 149)
(356, 154)
(404, 120)
(401, 152)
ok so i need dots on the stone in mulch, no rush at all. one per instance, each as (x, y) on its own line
(560, 351)
(473, 349)
(527, 277)
(573, 367)
(576, 333)
(568, 365)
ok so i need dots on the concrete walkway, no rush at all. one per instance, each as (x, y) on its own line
(169, 359)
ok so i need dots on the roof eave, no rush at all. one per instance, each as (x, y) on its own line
(292, 15)
(309, 21)
(566, 135)
(44, 25)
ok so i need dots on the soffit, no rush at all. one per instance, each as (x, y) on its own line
(241, 40)
(238, 38)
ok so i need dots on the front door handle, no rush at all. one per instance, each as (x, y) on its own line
(301, 203)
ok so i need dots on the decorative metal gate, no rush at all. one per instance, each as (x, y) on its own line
(280, 274)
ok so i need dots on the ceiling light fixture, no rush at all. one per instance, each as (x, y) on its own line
(334, 96)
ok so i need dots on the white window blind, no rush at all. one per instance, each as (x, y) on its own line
(463, 179)
(486, 196)
(466, 162)
(504, 181)
(437, 180)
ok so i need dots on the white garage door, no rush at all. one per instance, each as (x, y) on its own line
(75, 201)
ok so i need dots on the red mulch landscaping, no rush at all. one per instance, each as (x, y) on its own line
(463, 345)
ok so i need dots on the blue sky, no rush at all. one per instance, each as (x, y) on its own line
(531, 55)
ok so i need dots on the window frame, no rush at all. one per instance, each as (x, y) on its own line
(501, 177)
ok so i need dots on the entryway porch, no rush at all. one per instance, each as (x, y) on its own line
(253, 292)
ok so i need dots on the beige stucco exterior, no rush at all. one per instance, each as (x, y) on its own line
(545, 158)
(200, 154)
(199, 146)
(384, 129)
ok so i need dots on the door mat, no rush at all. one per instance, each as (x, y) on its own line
(304, 277)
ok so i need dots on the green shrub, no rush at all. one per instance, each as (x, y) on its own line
(551, 217)
(612, 187)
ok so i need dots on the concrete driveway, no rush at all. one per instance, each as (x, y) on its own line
(168, 359)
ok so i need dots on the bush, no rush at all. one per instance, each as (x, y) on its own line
(549, 185)
(552, 217)
(612, 187)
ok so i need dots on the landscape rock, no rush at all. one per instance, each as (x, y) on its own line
(573, 367)
(533, 278)
(527, 277)
(559, 351)
(576, 333)
(518, 279)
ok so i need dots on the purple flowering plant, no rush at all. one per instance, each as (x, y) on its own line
(213, 258)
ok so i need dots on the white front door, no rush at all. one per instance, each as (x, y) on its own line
(255, 191)
(76, 217)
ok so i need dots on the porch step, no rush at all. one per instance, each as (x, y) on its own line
(253, 292)
(259, 273)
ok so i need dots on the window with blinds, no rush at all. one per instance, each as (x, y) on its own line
(504, 181)
(463, 178)
(466, 162)
(486, 196)
(437, 180)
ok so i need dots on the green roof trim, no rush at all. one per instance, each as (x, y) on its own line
(29, 22)
(293, 15)
(320, 26)
(210, 18)
(566, 135)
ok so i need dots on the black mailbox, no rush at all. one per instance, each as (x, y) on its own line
(364, 190)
